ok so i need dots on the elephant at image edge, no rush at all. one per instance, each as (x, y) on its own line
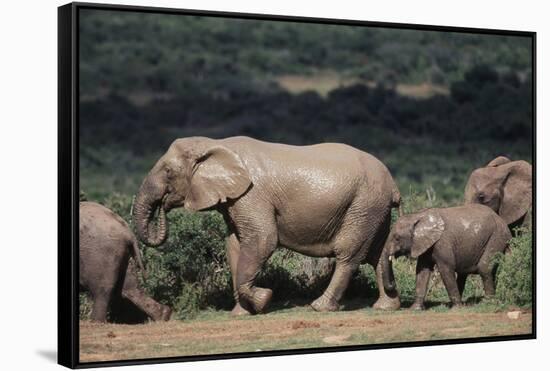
(106, 270)
(324, 200)
(505, 186)
(461, 240)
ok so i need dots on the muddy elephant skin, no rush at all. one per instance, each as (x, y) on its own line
(325, 200)
(460, 240)
(107, 253)
(505, 186)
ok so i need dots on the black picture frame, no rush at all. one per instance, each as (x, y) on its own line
(68, 182)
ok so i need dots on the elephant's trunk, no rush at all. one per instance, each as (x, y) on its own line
(148, 202)
(387, 270)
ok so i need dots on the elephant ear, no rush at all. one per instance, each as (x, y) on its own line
(217, 175)
(517, 191)
(500, 160)
(470, 191)
(427, 231)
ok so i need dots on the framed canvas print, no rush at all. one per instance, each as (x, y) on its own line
(242, 185)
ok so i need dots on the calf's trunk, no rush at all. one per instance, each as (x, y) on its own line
(387, 270)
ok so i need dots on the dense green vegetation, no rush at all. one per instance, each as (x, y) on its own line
(148, 79)
(190, 272)
(515, 283)
(124, 53)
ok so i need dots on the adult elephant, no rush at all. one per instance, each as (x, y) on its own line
(324, 200)
(505, 186)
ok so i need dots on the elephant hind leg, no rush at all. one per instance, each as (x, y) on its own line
(488, 284)
(101, 300)
(102, 289)
(328, 302)
(350, 248)
(486, 268)
(488, 277)
(134, 293)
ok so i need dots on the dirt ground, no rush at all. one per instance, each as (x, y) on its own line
(214, 332)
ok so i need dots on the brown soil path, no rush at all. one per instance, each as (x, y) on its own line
(217, 332)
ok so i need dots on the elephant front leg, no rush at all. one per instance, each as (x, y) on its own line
(254, 252)
(233, 250)
(386, 300)
(328, 302)
(424, 268)
(448, 276)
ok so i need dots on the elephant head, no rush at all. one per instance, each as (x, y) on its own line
(195, 173)
(412, 235)
(504, 186)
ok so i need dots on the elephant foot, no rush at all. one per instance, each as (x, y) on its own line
(166, 313)
(387, 303)
(325, 304)
(238, 310)
(98, 320)
(163, 313)
(457, 306)
(417, 306)
(261, 299)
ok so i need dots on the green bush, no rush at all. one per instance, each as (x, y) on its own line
(190, 300)
(294, 276)
(190, 271)
(514, 278)
(120, 204)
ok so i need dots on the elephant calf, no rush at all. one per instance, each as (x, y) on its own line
(106, 244)
(461, 240)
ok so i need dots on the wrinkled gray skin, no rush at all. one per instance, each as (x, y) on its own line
(461, 240)
(106, 267)
(325, 200)
(505, 186)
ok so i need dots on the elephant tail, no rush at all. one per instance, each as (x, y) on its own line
(137, 257)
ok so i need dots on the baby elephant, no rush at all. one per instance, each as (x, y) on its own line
(461, 240)
(106, 269)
